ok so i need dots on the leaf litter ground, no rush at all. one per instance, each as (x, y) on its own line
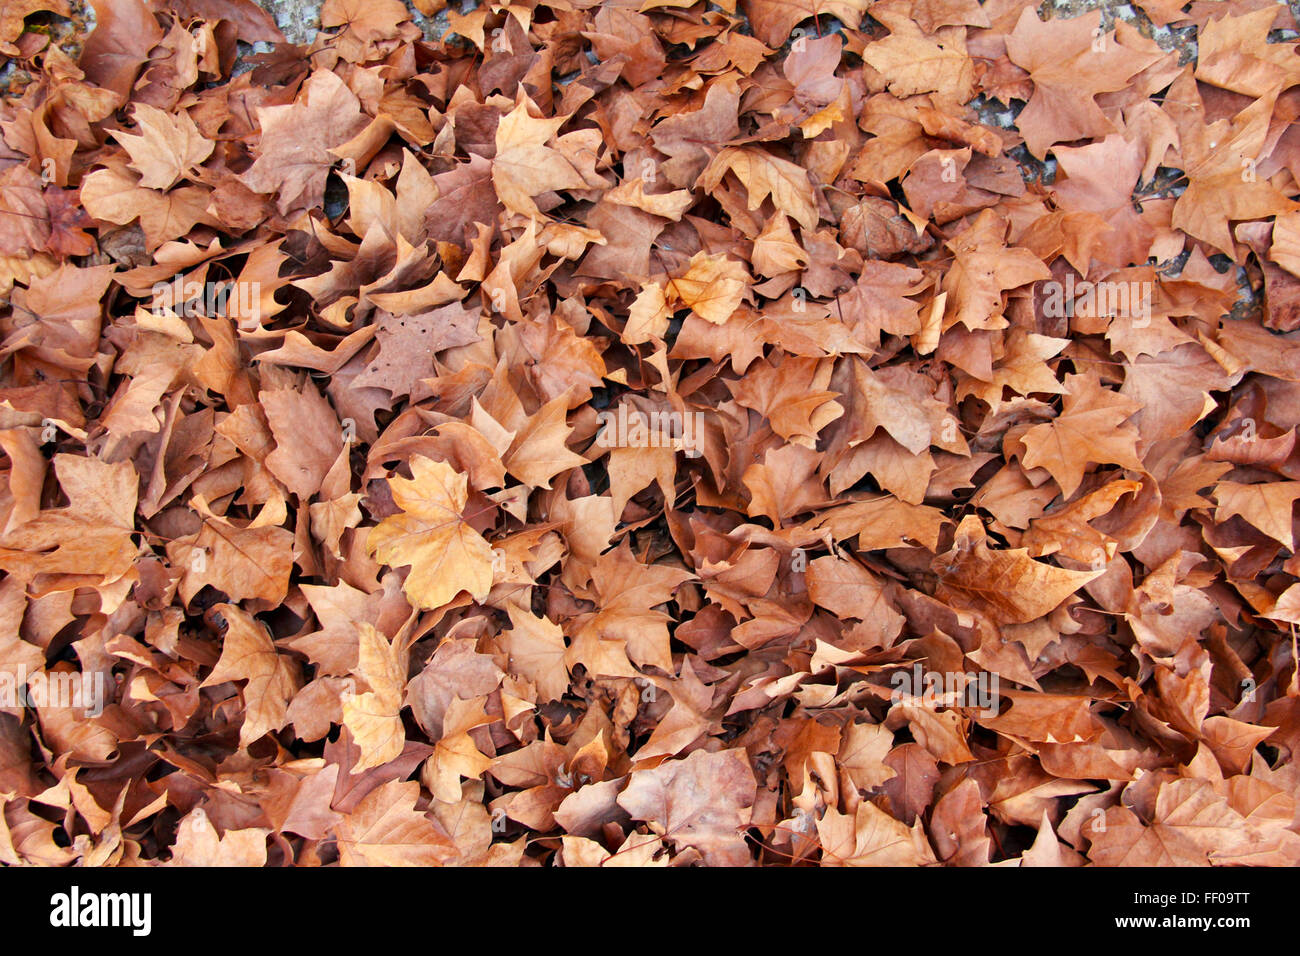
(656, 433)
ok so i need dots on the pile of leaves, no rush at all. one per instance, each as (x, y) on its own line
(312, 359)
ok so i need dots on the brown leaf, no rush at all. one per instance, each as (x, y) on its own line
(702, 802)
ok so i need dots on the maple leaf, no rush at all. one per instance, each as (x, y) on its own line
(24, 211)
(1009, 586)
(125, 31)
(1068, 68)
(915, 419)
(883, 521)
(633, 193)
(253, 23)
(446, 555)
(456, 755)
(243, 561)
(686, 137)
(702, 802)
(455, 670)
(1053, 718)
(764, 175)
(115, 194)
(914, 65)
(1172, 389)
(68, 224)
(1090, 429)
(773, 20)
(367, 22)
(1100, 179)
(848, 590)
(199, 844)
(632, 469)
(776, 251)
(877, 229)
(781, 485)
(59, 318)
(981, 271)
(565, 361)
(307, 436)
(167, 147)
(1192, 826)
(878, 302)
(812, 73)
(871, 837)
(627, 36)
(538, 452)
(248, 654)
(862, 754)
(536, 648)
(793, 397)
(293, 157)
(1285, 249)
(1023, 369)
(959, 826)
(648, 317)
(1221, 183)
(628, 625)
(335, 646)
(712, 287)
(1233, 52)
(91, 536)
(1067, 531)
(524, 166)
(465, 196)
(687, 721)
(372, 717)
(408, 343)
(386, 830)
(637, 850)
(1267, 506)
